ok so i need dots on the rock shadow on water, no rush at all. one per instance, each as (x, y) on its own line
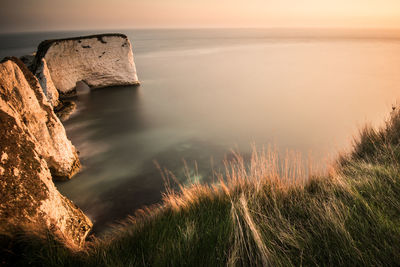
(113, 112)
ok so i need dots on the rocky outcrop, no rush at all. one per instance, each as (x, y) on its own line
(28, 129)
(43, 75)
(22, 97)
(98, 60)
(34, 148)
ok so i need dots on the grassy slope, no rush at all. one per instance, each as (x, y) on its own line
(349, 217)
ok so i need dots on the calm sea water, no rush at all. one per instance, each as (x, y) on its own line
(205, 92)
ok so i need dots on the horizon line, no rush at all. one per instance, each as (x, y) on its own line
(203, 28)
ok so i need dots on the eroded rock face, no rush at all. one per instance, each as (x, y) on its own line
(22, 97)
(43, 75)
(28, 194)
(98, 60)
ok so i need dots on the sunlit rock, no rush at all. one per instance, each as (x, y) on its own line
(28, 129)
(23, 98)
(97, 60)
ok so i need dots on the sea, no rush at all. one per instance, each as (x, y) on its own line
(206, 94)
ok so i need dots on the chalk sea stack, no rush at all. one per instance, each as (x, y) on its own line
(98, 60)
(34, 149)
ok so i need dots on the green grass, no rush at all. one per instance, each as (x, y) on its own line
(259, 213)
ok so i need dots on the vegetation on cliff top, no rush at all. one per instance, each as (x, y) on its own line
(257, 215)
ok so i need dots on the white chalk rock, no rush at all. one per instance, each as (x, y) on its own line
(20, 92)
(43, 75)
(28, 196)
(98, 60)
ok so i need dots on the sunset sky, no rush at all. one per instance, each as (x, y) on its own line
(36, 15)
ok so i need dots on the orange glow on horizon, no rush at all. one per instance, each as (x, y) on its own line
(74, 14)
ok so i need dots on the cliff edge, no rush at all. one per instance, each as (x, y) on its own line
(34, 148)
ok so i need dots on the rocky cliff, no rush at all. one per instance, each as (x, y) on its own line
(23, 98)
(98, 60)
(33, 147)
(43, 75)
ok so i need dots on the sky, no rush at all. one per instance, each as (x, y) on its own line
(48, 15)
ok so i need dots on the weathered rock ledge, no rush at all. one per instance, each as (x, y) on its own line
(34, 147)
(98, 60)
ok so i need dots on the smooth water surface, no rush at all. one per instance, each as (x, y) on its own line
(205, 92)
